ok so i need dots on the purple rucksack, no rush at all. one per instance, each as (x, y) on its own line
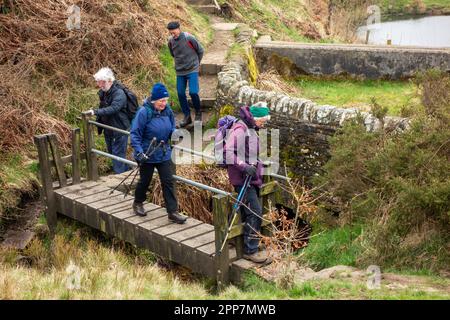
(223, 125)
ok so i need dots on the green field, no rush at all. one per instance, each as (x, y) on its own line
(348, 93)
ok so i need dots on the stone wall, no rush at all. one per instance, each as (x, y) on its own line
(305, 126)
(362, 61)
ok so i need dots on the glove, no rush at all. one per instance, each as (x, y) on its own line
(250, 170)
(90, 112)
(141, 157)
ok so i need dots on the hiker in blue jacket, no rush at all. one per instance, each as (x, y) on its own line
(187, 53)
(151, 130)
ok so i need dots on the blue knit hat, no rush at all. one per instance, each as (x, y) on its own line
(159, 91)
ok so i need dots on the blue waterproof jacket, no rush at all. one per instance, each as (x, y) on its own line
(148, 124)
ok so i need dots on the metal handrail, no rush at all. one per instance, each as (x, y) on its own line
(202, 186)
(196, 153)
(98, 124)
(178, 178)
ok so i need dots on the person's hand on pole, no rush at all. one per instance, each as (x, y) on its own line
(141, 157)
(90, 112)
(250, 170)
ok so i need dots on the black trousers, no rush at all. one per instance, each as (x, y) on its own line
(252, 219)
(165, 171)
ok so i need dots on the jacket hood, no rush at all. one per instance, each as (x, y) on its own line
(247, 117)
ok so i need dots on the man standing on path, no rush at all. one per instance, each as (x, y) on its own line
(187, 53)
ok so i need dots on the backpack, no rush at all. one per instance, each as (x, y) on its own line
(149, 113)
(132, 101)
(223, 125)
(189, 42)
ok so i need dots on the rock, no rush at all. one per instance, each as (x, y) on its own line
(41, 230)
(17, 239)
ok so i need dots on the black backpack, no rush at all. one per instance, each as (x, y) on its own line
(132, 101)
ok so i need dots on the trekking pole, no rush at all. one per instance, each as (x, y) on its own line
(236, 207)
(129, 175)
(148, 155)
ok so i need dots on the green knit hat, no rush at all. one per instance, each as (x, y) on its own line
(260, 110)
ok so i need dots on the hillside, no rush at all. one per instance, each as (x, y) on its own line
(46, 70)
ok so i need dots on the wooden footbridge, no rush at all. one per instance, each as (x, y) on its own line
(92, 201)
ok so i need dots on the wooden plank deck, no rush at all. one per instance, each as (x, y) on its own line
(94, 204)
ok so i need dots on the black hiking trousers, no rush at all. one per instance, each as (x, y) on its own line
(165, 171)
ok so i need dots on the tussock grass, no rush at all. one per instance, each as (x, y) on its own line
(110, 269)
(107, 271)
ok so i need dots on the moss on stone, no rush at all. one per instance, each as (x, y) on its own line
(252, 67)
(226, 110)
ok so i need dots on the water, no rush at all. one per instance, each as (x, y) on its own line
(423, 32)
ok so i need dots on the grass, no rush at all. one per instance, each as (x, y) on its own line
(170, 77)
(17, 176)
(281, 19)
(327, 248)
(348, 93)
(254, 288)
(110, 269)
(400, 6)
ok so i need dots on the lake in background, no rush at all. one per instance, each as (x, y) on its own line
(423, 32)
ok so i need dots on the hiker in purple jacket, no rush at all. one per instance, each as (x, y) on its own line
(242, 159)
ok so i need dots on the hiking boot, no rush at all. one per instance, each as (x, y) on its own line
(257, 257)
(177, 218)
(186, 121)
(138, 209)
(198, 116)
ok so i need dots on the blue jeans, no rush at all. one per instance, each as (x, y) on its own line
(252, 220)
(194, 89)
(117, 145)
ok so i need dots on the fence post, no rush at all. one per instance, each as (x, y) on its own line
(221, 209)
(76, 161)
(91, 158)
(58, 161)
(48, 196)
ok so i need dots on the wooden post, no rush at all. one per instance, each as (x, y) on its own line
(47, 193)
(91, 158)
(221, 209)
(367, 36)
(76, 167)
(58, 161)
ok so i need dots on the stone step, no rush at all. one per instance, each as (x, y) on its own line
(224, 26)
(200, 2)
(208, 91)
(213, 62)
(208, 9)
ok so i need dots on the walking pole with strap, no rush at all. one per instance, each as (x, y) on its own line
(129, 175)
(148, 155)
(236, 207)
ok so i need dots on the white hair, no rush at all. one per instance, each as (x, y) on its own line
(104, 74)
(266, 118)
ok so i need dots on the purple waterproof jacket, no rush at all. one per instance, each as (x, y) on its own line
(242, 149)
